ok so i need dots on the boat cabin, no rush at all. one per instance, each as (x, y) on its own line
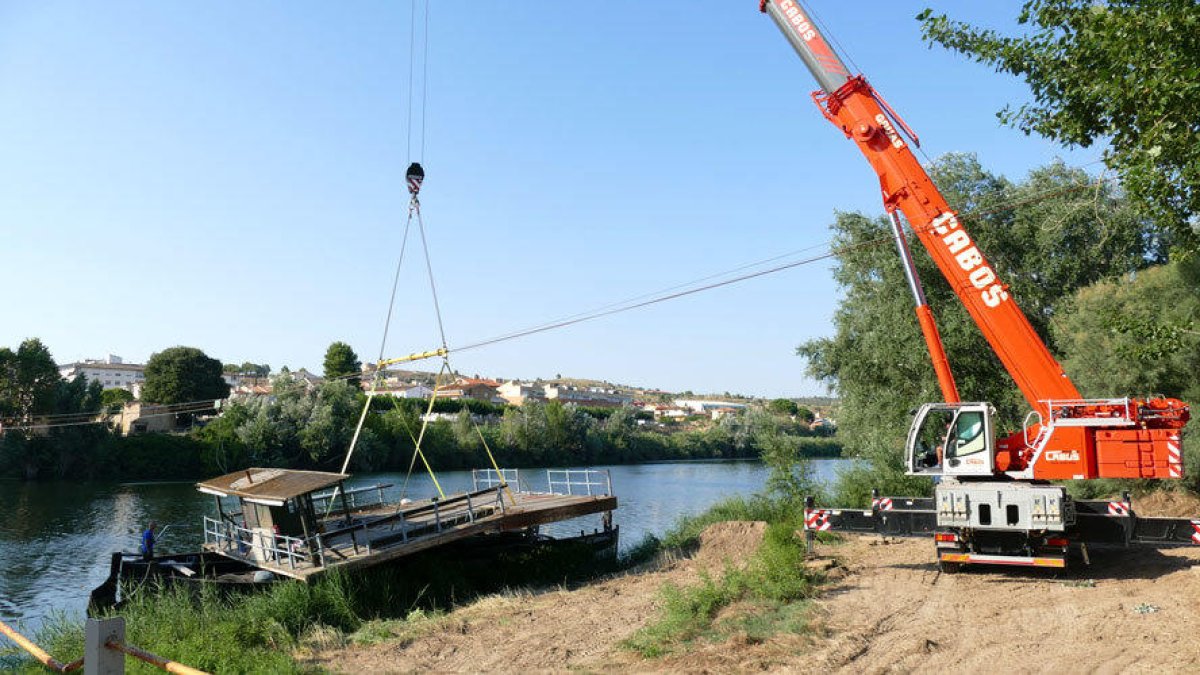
(276, 513)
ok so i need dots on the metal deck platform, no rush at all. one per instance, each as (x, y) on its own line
(362, 535)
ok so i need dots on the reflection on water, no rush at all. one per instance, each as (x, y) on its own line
(56, 538)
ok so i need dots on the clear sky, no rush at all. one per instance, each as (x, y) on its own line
(230, 176)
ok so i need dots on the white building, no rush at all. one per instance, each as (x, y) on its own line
(589, 396)
(705, 407)
(111, 372)
(517, 393)
(415, 391)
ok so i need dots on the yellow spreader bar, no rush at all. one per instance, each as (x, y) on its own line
(417, 356)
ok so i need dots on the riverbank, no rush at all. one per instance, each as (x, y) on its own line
(883, 606)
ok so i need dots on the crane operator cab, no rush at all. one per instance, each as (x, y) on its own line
(951, 439)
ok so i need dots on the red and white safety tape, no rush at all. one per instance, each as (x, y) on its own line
(816, 519)
(1118, 509)
(1174, 458)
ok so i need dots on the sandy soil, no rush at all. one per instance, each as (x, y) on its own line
(886, 608)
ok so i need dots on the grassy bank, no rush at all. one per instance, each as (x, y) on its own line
(263, 632)
(770, 591)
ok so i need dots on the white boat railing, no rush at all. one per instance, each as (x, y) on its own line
(577, 482)
(593, 482)
(260, 546)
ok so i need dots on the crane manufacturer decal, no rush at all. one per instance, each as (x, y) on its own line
(969, 259)
(888, 129)
(796, 17)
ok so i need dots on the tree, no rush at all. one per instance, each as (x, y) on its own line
(1044, 237)
(783, 406)
(28, 381)
(182, 375)
(342, 362)
(1135, 336)
(1107, 70)
(115, 398)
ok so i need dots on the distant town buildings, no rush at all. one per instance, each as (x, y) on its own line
(587, 396)
(700, 407)
(111, 372)
(518, 393)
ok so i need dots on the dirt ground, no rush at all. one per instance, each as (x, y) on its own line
(885, 609)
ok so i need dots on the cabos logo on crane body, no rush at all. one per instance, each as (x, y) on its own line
(969, 259)
(800, 22)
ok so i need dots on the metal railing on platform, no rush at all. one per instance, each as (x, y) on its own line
(356, 498)
(578, 482)
(259, 545)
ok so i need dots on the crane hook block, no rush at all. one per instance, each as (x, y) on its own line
(416, 176)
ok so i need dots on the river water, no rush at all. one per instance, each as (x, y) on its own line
(56, 538)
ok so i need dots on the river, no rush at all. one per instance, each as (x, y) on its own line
(56, 538)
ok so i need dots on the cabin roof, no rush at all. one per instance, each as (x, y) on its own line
(273, 484)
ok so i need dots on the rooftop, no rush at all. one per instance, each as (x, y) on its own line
(272, 484)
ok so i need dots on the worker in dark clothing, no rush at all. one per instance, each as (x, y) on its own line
(148, 541)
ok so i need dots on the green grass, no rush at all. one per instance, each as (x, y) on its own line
(264, 632)
(771, 591)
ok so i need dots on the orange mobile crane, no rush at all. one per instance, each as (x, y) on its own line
(993, 502)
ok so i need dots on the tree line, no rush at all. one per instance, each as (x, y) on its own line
(52, 431)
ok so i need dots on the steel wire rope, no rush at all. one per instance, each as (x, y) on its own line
(620, 306)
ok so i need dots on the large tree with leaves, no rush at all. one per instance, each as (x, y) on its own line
(28, 381)
(342, 362)
(1123, 72)
(1051, 234)
(183, 375)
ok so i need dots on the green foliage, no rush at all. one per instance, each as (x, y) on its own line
(28, 381)
(772, 587)
(183, 375)
(342, 362)
(113, 399)
(259, 633)
(247, 368)
(1135, 335)
(783, 406)
(1045, 237)
(1125, 73)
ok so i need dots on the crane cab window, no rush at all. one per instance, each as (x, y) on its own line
(966, 437)
(931, 440)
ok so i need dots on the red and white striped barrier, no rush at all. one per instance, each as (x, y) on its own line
(1118, 509)
(1196, 531)
(1174, 458)
(816, 519)
(882, 503)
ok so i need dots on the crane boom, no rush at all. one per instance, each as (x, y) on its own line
(1071, 437)
(853, 106)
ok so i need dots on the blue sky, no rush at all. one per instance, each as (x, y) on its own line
(230, 176)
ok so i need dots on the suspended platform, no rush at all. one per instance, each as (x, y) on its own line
(290, 523)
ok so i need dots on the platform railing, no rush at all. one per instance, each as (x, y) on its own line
(356, 498)
(482, 479)
(241, 542)
(579, 482)
(1083, 412)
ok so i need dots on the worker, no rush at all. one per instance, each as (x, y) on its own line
(148, 541)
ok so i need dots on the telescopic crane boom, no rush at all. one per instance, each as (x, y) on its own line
(1065, 435)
